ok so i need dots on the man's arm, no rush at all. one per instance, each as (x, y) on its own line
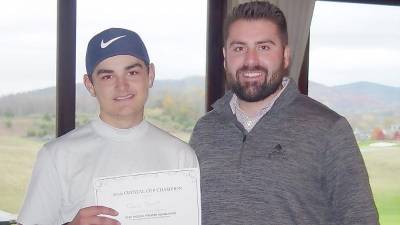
(347, 182)
(43, 198)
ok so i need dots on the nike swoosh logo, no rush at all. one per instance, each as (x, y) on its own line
(105, 44)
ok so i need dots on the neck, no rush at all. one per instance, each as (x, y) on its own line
(122, 122)
(251, 109)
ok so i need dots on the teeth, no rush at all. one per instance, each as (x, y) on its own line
(252, 74)
(123, 97)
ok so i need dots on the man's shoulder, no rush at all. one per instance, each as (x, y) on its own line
(170, 147)
(308, 107)
(73, 137)
(159, 135)
(221, 110)
(210, 117)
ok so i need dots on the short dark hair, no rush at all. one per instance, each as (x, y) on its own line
(256, 10)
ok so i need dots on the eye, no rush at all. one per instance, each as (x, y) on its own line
(133, 73)
(264, 47)
(106, 77)
(238, 49)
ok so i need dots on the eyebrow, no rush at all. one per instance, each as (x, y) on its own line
(237, 43)
(258, 42)
(101, 71)
(133, 66)
(266, 42)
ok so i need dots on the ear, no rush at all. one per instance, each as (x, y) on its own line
(224, 53)
(152, 74)
(89, 85)
(286, 57)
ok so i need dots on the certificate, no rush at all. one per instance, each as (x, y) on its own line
(169, 197)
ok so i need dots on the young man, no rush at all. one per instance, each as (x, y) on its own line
(269, 155)
(120, 141)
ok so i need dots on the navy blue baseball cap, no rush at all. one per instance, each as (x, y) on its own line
(112, 42)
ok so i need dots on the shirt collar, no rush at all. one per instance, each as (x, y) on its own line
(249, 122)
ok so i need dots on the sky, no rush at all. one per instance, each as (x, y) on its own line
(352, 42)
(348, 43)
(173, 31)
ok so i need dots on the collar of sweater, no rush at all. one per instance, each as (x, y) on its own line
(117, 134)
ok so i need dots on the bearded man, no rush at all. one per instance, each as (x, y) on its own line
(268, 154)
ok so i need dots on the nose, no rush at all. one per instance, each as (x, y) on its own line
(251, 58)
(122, 83)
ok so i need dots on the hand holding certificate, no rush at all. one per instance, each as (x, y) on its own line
(168, 197)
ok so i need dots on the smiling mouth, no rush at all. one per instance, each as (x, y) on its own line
(252, 74)
(125, 97)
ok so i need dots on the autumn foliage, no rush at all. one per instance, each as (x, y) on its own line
(396, 136)
(377, 134)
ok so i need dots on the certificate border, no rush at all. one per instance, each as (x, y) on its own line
(197, 170)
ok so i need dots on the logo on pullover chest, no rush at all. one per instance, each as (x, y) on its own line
(277, 153)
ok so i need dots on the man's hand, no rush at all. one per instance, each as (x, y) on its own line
(90, 216)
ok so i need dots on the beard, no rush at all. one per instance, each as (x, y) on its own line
(254, 91)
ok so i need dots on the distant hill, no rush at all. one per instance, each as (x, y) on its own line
(360, 97)
(43, 100)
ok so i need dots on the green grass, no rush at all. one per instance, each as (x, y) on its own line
(383, 165)
(365, 143)
(389, 208)
(17, 156)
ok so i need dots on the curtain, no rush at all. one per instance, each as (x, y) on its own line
(298, 17)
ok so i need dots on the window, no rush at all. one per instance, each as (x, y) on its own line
(354, 69)
(27, 103)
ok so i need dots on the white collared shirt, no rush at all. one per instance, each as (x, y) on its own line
(247, 121)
